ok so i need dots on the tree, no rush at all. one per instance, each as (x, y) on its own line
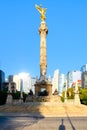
(70, 93)
(16, 95)
(83, 96)
(3, 97)
(24, 96)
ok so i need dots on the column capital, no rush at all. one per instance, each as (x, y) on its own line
(43, 27)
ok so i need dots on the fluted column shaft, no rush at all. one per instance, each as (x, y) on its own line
(43, 30)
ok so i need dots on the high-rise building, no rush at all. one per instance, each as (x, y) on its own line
(12, 83)
(55, 81)
(23, 82)
(84, 68)
(84, 79)
(25, 79)
(84, 76)
(17, 80)
(61, 83)
(10, 78)
(2, 79)
(73, 77)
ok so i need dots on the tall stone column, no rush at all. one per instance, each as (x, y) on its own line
(43, 30)
(43, 82)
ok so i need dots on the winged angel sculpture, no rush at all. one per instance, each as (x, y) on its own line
(42, 11)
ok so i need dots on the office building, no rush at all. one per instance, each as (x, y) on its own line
(84, 76)
(2, 80)
(73, 77)
(84, 79)
(61, 83)
(84, 68)
(25, 82)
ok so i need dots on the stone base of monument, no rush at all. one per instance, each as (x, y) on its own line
(65, 100)
(9, 99)
(76, 99)
(17, 101)
(52, 98)
(43, 84)
(20, 100)
(55, 98)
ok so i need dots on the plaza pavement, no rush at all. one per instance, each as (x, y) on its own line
(47, 109)
(47, 116)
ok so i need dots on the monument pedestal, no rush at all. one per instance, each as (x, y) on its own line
(9, 100)
(76, 99)
(43, 84)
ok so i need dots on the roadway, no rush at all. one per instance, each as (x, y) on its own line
(42, 123)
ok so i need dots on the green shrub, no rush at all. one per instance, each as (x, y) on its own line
(62, 99)
(16, 95)
(83, 96)
(24, 96)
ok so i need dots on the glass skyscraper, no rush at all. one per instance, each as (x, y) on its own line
(2, 79)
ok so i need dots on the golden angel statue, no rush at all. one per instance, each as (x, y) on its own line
(42, 11)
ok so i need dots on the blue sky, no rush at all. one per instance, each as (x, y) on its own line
(20, 40)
